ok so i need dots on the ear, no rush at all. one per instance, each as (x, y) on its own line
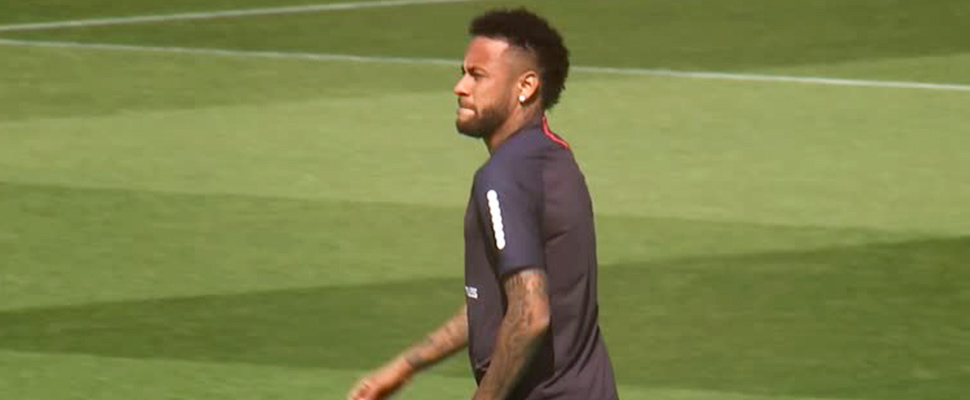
(527, 87)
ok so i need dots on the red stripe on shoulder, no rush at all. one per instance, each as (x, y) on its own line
(552, 136)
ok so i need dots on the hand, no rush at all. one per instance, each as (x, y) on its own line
(382, 383)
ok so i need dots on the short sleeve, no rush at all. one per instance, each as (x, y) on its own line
(508, 205)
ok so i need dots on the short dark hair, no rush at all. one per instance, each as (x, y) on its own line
(526, 30)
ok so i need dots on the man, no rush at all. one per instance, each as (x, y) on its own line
(530, 316)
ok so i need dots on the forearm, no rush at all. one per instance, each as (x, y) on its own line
(449, 338)
(522, 331)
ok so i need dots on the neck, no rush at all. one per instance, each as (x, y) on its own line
(515, 123)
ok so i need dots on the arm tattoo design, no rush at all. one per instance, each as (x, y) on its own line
(443, 342)
(525, 324)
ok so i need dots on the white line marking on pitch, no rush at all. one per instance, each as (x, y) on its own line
(220, 14)
(816, 80)
(455, 63)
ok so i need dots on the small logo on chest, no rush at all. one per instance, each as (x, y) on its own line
(471, 292)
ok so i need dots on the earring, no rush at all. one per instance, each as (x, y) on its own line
(521, 98)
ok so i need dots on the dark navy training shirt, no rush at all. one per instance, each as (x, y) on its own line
(530, 208)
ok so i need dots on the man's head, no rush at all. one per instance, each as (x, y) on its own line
(515, 63)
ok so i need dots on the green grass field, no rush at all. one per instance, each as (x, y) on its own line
(239, 225)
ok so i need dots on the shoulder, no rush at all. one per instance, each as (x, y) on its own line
(509, 168)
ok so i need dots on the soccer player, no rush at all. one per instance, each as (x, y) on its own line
(530, 313)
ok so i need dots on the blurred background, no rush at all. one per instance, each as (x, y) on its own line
(262, 199)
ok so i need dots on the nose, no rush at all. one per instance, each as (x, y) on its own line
(462, 87)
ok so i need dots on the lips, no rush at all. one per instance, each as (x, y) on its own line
(465, 108)
(465, 111)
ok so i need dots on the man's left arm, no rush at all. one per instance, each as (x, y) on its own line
(525, 324)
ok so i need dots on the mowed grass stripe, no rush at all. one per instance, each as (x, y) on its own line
(700, 150)
(724, 36)
(730, 151)
(811, 80)
(28, 376)
(64, 245)
(870, 321)
(208, 15)
(88, 376)
(41, 11)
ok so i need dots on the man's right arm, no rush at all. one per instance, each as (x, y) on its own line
(443, 342)
(448, 339)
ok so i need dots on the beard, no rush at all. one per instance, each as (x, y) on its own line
(484, 124)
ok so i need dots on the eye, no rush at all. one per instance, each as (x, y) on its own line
(474, 72)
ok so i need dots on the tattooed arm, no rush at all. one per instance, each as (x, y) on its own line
(441, 343)
(525, 324)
